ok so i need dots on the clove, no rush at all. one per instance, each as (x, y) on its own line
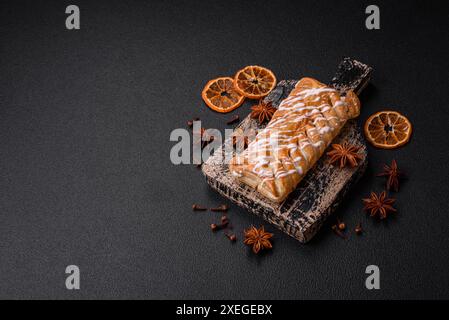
(341, 225)
(216, 227)
(338, 232)
(224, 219)
(231, 237)
(197, 207)
(233, 119)
(358, 229)
(220, 208)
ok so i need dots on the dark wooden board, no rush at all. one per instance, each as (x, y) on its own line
(319, 193)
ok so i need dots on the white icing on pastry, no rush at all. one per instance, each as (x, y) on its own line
(300, 130)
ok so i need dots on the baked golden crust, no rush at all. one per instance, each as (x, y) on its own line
(304, 125)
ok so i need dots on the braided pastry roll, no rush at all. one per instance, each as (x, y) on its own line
(300, 130)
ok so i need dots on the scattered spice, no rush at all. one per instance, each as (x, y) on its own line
(234, 119)
(338, 232)
(220, 208)
(231, 237)
(197, 207)
(257, 238)
(216, 227)
(358, 229)
(344, 153)
(341, 225)
(190, 122)
(263, 111)
(224, 219)
(379, 204)
(393, 175)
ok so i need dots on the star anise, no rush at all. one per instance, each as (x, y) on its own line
(263, 111)
(379, 204)
(344, 153)
(257, 238)
(393, 174)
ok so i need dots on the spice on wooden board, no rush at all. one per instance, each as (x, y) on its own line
(216, 227)
(220, 208)
(344, 154)
(263, 111)
(231, 236)
(341, 225)
(338, 232)
(197, 207)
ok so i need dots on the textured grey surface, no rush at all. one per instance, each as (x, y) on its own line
(85, 118)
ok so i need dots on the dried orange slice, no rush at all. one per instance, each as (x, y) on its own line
(254, 82)
(388, 129)
(220, 95)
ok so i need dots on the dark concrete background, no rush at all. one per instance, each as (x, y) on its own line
(86, 179)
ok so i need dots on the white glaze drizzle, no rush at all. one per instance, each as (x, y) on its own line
(277, 138)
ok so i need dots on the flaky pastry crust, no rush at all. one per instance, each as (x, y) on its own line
(300, 130)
